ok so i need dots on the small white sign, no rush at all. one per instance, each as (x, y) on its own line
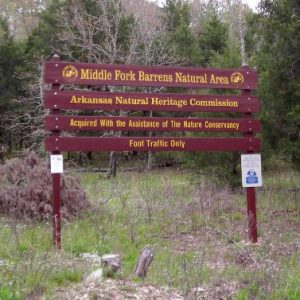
(56, 163)
(251, 170)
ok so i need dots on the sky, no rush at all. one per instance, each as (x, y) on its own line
(251, 3)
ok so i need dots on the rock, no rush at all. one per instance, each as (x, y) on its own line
(91, 257)
(111, 261)
(198, 289)
(95, 276)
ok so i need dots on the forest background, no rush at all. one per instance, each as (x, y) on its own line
(186, 33)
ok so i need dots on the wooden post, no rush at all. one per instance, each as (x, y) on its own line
(251, 197)
(144, 261)
(251, 212)
(56, 181)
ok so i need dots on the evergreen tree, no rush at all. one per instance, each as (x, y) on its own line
(43, 40)
(11, 60)
(212, 38)
(278, 63)
(177, 18)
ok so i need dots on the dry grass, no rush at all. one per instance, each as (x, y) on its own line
(197, 228)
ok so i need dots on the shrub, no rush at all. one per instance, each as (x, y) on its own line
(26, 190)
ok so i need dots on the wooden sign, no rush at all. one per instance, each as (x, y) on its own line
(149, 101)
(61, 74)
(96, 123)
(151, 144)
(57, 72)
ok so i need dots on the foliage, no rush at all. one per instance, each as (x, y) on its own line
(278, 64)
(27, 190)
(43, 39)
(11, 60)
(177, 18)
(212, 38)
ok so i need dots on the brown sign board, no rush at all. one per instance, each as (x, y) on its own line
(59, 72)
(150, 101)
(56, 143)
(96, 123)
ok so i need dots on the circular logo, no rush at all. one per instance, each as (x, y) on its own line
(70, 73)
(237, 78)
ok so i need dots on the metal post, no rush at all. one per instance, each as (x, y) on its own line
(251, 197)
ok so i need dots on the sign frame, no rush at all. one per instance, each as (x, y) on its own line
(59, 73)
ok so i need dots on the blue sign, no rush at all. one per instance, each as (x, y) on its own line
(251, 177)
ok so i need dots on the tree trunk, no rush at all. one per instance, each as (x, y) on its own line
(112, 164)
(150, 161)
(89, 155)
(113, 154)
(242, 41)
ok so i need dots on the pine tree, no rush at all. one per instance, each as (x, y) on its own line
(11, 59)
(212, 38)
(177, 19)
(278, 63)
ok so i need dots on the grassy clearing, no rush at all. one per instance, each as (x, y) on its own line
(196, 227)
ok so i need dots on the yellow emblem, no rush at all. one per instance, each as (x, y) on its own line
(237, 78)
(70, 73)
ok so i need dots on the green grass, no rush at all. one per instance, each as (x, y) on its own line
(289, 287)
(65, 276)
(283, 177)
(191, 223)
(8, 293)
(180, 270)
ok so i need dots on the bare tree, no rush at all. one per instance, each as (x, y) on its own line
(99, 37)
(150, 43)
(231, 12)
(234, 14)
(22, 15)
(197, 12)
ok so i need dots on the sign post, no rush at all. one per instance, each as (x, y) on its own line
(251, 178)
(56, 177)
(59, 73)
(251, 197)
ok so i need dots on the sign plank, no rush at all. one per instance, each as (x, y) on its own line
(57, 72)
(150, 101)
(151, 144)
(96, 123)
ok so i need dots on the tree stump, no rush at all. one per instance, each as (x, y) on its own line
(144, 261)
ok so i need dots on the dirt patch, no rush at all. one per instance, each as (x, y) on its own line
(117, 290)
